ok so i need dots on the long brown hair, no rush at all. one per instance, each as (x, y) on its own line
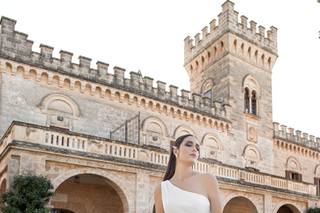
(171, 168)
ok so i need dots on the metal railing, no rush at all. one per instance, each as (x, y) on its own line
(128, 132)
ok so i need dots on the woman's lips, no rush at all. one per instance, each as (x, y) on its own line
(193, 155)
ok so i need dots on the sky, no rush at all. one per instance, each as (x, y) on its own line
(148, 36)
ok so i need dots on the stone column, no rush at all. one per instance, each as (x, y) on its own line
(142, 192)
(13, 168)
(267, 203)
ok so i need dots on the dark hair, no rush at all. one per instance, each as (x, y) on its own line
(171, 168)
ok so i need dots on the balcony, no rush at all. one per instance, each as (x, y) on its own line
(74, 143)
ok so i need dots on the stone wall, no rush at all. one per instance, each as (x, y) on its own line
(16, 46)
(39, 101)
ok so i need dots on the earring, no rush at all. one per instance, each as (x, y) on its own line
(174, 151)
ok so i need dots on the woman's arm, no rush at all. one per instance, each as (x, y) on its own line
(214, 194)
(158, 200)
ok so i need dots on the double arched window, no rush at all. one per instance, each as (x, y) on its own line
(250, 101)
(251, 95)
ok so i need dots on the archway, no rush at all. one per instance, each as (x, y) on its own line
(288, 208)
(240, 205)
(61, 211)
(87, 193)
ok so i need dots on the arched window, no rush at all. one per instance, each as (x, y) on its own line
(252, 157)
(246, 100)
(182, 130)
(207, 87)
(208, 93)
(253, 102)
(211, 147)
(155, 132)
(60, 109)
(251, 95)
(293, 169)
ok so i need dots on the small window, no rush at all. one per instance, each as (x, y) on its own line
(295, 176)
(253, 169)
(208, 94)
(207, 88)
(246, 101)
(254, 103)
(202, 59)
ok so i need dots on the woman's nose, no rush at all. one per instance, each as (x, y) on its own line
(194, 149)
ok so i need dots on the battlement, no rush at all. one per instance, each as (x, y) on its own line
(16, 46)
(228, 21)
(297, 136)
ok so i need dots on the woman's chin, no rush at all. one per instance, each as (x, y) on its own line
(192, 160)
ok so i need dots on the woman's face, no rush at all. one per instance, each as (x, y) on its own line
(188, 150)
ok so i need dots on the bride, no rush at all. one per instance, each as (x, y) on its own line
(182, 189)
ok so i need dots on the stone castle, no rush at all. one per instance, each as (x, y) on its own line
(103, 139)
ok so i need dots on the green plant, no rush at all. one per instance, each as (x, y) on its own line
(28, 194)
(313, 210)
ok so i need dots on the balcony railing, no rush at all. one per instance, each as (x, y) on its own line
(19, 131)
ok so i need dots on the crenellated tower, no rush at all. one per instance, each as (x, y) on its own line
(231, 61)
(228, 36)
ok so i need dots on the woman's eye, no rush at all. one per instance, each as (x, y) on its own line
(191, 144)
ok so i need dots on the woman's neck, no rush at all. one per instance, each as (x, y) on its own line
(182, 172)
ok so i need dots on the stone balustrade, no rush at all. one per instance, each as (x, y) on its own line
(158, 158)
(33, 134)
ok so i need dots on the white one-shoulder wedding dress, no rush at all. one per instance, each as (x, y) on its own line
(177, 200)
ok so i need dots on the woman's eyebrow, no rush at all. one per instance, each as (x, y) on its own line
(197, 144)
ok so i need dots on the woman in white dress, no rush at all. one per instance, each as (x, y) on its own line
(182, 189)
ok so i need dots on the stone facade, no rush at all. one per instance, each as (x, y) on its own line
(103, 139)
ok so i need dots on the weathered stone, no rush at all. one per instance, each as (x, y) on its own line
(75, 118)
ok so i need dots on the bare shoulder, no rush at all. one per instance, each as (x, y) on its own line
(204, 176)
(206, 179)
(209, 179)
